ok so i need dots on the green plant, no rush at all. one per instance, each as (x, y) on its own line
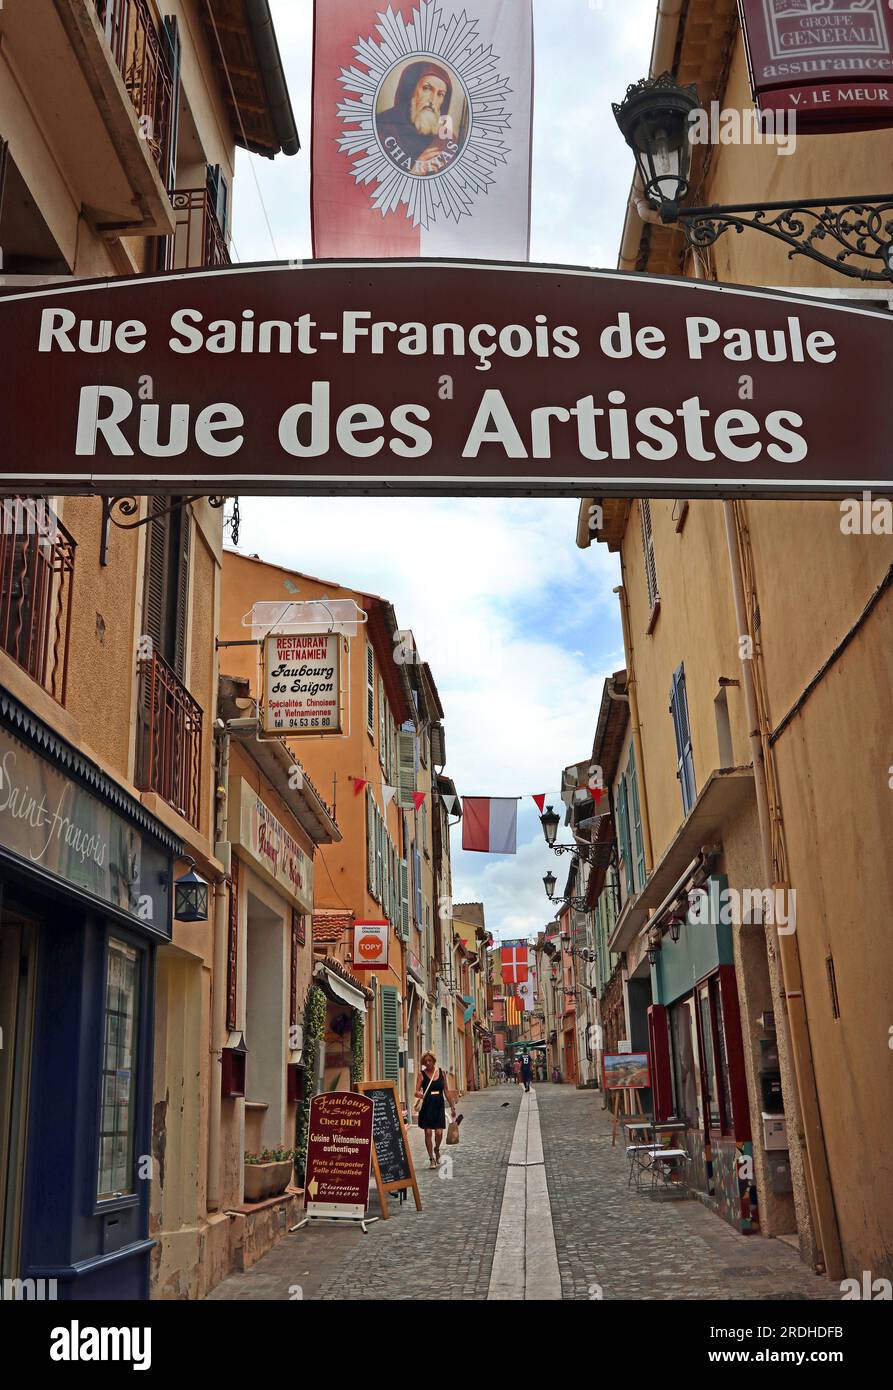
(314, 1038)
(356, 1049)
(279, 1154)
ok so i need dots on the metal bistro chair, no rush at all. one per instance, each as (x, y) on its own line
(664, 1164)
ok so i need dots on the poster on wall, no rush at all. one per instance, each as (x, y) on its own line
(829, 61)
(370, 945)
(302, 683)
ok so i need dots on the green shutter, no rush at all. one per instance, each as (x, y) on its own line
(390, 1032)
(370, 842)
(625, 849)
(379, 857)
(370, 690)
(406, 781)
(382, 724)
(404, 898)
(636, 818)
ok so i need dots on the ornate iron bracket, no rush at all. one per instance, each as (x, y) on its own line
(578, 904)
(597, 855)
(130, 506)
(860, 226)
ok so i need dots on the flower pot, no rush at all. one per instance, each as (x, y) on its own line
(264, 1180)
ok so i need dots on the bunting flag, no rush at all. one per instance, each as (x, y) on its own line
(358, 784)
(418, 799)
(490, 824)
(422, 126)
(514, 964)
(450, 802)
(388, 793)
(540, 802)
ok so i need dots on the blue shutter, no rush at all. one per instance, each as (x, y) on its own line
(685, 766)
(390, 1032)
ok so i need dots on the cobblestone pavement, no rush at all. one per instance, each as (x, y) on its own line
(443, 1252)
(611, 1242)
(614, 1242)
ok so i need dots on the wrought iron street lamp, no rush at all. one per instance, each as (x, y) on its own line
(191, 897)
(549, 820)
(655, 120)
(597, 856)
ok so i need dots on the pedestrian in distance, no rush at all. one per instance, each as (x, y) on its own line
(432, 1097)
(507, 1069)
(526, 1072)
(516, 1068)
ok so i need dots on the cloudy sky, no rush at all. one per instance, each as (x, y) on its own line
(519, 626)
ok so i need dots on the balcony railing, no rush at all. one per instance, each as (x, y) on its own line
(198, 238)
(170, 739)
(36, 583)
(133, 37)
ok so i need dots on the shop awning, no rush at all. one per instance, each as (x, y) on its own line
(339, 989)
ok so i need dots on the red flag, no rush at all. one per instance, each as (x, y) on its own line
(540, 802)
(602, 801)
(514, 964)
(417, 799)
(358, 784)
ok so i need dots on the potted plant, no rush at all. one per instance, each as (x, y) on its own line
(268, 1173)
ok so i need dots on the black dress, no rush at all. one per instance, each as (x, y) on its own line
(433, 1112)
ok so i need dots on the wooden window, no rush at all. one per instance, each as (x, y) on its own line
(390, 1032)
(648, 552)
(661, 1075)
(372, 866)
(685, 765)
(166, 588)
(382, 725)
(370, 691)
(636, 819)
(120, 1077)
(623, 834)
(406, 769)
(404, 899)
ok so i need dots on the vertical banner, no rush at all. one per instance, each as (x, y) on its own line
(422, 123)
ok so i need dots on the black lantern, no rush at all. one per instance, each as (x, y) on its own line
(191, 897)
(549, 881)
(675, 925)
(654, 945)
(549, 820)
(655, 121)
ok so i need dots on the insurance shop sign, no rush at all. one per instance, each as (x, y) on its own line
(302, 681)
(830, 61)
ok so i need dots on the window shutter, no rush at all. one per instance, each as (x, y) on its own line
(170, 47)
(424, 825)
(155, 587)
(636, 818)
(218, 192)
(661, 1071)
(182, 609)
(379, 854)
(390, 1032)
(370, 842)
(417, 861)
(370, 690)
(404, 898)
(438, 745)
(685, 767)
(406, 772)
(648, 550)
(382, 725)
(623, 817)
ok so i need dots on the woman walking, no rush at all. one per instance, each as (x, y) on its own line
(431, 1088)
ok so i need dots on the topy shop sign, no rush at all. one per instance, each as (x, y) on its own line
(441, 377)
(830, 61)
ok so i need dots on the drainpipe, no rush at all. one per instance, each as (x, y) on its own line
(632, 691)
(219, 1034)
(787, 953)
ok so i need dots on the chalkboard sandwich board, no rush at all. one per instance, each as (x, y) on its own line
(391, 1158)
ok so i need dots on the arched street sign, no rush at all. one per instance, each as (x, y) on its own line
(441, 377)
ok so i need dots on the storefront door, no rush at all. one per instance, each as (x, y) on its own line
(18, 938)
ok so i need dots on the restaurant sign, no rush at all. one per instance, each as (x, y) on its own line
(302, 681)
(339, 1155)
(276, 851)
(52, 823)
(444, 378)
(830, 61)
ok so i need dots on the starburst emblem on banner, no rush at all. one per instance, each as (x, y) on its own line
(436, 168)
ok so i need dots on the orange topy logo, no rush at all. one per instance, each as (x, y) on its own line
(370, 946)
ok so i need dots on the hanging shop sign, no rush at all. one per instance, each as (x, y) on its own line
(53, 824)
(830, 61)
(441, 377)
(370, 945)
(273, 849)
(302, 683)
(339, 1156)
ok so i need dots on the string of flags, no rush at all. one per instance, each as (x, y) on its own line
(489, 823)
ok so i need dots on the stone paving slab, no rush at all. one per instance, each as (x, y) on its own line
(616, 1243)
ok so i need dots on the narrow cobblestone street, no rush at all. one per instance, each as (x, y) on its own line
(610, 1241)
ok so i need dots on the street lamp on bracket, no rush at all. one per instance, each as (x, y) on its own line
(655, 120)
(594, 855)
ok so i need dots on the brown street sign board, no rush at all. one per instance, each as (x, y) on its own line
(446, 378)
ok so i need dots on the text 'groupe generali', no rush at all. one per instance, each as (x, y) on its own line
(598, 425)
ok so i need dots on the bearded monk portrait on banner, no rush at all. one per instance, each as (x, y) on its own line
(418, 132)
